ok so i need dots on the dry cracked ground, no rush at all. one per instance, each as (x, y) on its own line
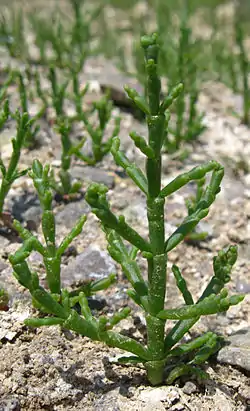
(49, 369)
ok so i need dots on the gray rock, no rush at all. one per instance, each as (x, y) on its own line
(71, 213)
(160, 394)
(237, 350)
(93, 174)
(34, 213)
(204, 227)
(242, 286)
(136, 213)
(190, 388)
(9, 404)
(3, 265)
(93, 263)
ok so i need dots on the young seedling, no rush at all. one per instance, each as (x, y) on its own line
(67, 37)
(4, 87)
(57, 298)
(103, 110)
(12, 32)
(10, 173)
(65, 187)
(31, 136)
(4, 114)
(57, 94)
(244, 70)
(162, 359)
(189, 122)
(4, 300)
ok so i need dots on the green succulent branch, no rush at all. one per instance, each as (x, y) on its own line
(5, 86)
(244, 69)
(191, 204)
(31, 136)
(4, 114)
(4, 300)
(10, 173)
(65, 187)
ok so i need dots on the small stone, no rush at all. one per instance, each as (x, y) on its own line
(27, 208)
(93, 263)
(93, 174)
(71, 213)
(3, 265)
(242, 286)
(204, 227)
(190, 388)
(244, 392)
(136, 213)
(9, 404)
(236, 351)
(160, 394)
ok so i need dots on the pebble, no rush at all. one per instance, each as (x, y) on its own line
(236, 351)
(93, 174)
(9, 404)
(190, 388)
(160, 394)
(71, 212)
(242, 286)
(3, 265)
(93, 263)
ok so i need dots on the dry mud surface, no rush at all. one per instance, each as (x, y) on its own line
(49, 369)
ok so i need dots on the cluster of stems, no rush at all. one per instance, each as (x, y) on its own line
(12, 31)
(10, 173)
(103, 110)
(244, 70)
(4, 300)
(50, 252)
(162, 359)
(65, 187)
(31, 136)
(189, 122)
(101, 145)
(69, 41)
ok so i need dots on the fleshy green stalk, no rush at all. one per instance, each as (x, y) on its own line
(10, 173)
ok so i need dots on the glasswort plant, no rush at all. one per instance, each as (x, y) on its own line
(103, 109)
(50, 252)
(10, 173)
(162, 359)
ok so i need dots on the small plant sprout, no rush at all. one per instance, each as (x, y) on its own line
(103, 110)
(31, 136)
(4, 114)
(65, 187)
(4, 300)
(12, 32)
(163, 359)
(189, 122)
(4, 87)
(57, 94)
(56, 301)
(191, 204)
(244, 70)
(10, 173)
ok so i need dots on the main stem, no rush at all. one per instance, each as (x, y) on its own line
(155, 213)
